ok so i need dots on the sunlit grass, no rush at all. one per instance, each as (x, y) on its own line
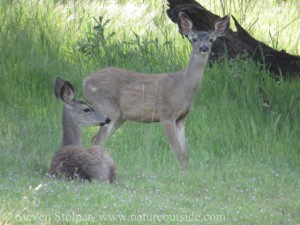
(275, 23)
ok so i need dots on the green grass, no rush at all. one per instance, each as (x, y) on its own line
(244, 154)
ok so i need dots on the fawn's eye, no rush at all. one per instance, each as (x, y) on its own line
(87, 110)
(194, 39)
(211, 40)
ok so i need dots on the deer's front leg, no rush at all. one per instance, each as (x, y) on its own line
(175, 134)
(180, 129)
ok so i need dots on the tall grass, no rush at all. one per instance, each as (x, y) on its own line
(243, 130)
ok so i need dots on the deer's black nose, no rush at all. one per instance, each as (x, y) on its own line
(203, 49)
(107, 121)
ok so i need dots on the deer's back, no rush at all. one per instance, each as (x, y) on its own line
(139, 97)
(90, 164)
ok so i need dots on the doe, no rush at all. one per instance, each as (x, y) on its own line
(166, 98)
(70, 160)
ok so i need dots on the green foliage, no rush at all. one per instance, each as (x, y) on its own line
(99, 48)
(243, 130)
(96, 40)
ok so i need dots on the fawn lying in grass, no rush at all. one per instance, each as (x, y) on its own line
(70, 161)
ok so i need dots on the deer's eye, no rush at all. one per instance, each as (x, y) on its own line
(211, 40)
(194, 39)
(86, 110)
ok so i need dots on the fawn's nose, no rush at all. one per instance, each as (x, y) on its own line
(203, 49)
(107, 121)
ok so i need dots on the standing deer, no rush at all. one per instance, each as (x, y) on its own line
(166, 98)
(70, 160)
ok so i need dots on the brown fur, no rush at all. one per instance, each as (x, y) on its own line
(70, 161)
(91, 164)
(166, 97)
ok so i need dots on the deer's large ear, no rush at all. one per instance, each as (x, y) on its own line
(185, 24)
(57, 86)
(64, 90)
(221, 26)
(67, 93)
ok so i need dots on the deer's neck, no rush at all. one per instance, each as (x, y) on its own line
(71, 131)
(194, 71)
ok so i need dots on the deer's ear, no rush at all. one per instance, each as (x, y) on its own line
(64, 90)
(185, 24)
(67, 93)
(57, 86)
(221, 27)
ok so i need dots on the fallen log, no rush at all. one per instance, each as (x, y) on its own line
(279, 63)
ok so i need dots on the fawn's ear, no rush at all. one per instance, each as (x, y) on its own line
(221, 26)
(185, 24)
(57, 86)
(64, 90)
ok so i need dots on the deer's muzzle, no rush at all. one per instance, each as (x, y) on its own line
(203, 49)
(107, 121)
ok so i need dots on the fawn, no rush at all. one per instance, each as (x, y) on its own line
(70, 161)
(147, 98)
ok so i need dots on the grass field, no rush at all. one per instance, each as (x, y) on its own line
(244, 153)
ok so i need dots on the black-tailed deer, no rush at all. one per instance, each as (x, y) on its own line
(166, 98)
(70, 160)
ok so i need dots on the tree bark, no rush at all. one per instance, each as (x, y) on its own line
(237, 43)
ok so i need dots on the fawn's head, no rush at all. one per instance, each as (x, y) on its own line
(78, 111)
(202, 40)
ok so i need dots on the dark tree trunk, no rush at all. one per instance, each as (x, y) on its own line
(236, 43)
